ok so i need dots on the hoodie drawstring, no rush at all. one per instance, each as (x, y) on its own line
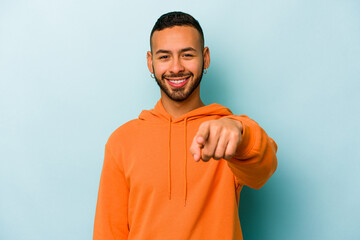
(169, 161)
(185, 164)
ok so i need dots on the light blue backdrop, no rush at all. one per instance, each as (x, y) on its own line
(71, 72)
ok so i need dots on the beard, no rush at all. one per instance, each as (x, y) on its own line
(181, 93)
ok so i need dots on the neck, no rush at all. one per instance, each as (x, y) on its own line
(176, 109)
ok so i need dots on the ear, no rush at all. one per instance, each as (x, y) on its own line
(149, 61)
(206, 56)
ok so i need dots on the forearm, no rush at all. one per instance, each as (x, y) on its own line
(255, 159)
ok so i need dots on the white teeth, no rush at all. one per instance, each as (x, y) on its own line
(178, 81)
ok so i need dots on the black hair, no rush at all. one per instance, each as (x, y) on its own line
(177, 18)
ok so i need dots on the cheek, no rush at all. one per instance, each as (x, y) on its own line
(194, 67)
(160, 69)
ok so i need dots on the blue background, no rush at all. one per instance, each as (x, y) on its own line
(71, 72)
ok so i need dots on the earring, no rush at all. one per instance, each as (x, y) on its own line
(152, 75)
(205, 70)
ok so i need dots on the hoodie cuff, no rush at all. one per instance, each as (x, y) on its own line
(247, 140)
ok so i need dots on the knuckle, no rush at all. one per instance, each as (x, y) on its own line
(225, 131)
(218, 156)
(235, 134)
(215, 129)
(204, 124)
(206, 155)
(211, 122)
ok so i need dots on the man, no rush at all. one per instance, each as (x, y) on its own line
(176, 172)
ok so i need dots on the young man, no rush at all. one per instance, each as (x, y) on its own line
(176, 172)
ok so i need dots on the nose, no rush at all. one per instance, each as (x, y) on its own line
(176, 66)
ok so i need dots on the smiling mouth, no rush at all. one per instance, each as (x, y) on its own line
(178, 82)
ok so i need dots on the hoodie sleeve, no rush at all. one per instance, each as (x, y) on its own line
(111, 220)
(255, 159)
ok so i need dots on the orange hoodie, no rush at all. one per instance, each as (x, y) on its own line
(151, 187)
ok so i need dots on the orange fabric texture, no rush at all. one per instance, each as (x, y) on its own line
(151, 187)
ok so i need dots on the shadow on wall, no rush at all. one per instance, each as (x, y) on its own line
(270, 212)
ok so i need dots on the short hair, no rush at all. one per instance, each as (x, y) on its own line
(176, 18)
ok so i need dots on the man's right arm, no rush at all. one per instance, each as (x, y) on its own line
(111, 221)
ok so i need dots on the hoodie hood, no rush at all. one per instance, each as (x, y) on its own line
(159, 114)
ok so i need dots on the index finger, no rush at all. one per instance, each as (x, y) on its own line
(196, 149)
(199, 141)
(203, 133)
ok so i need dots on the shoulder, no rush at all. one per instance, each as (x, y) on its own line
(122, 133)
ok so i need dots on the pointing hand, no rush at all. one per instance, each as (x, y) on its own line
(216, 139)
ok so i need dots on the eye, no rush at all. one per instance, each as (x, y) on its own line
(163, 57)
(188, 55)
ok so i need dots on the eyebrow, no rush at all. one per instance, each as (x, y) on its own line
(182, 50)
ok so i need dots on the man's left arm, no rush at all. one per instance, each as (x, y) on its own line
(250, 153)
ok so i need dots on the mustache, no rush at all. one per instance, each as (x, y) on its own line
(177, 75)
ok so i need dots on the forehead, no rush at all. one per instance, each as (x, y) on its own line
(176, 38)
